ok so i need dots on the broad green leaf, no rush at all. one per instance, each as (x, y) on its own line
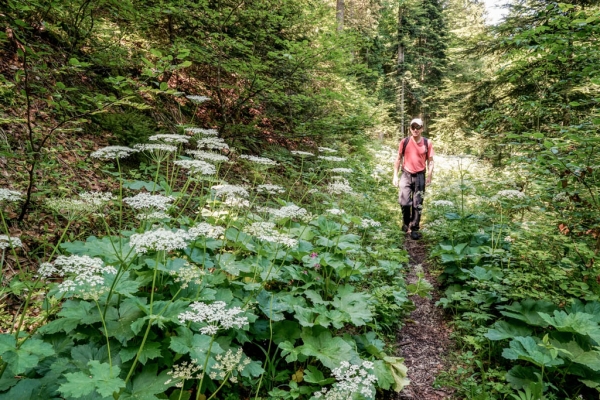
(526, 348)
(147, 384)
(592, 308)
(399, 372)
(520, 377)
(505, 330)
(331, 351)
(305, 316)
(273, 305)
(355, 305)
(129, 312)
(101, 378)
(580, 323)
(313, 375)
(107, 248)
(528, 311)
(150, 351)
(574, 353)
(72, 314)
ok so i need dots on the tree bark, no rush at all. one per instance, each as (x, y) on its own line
(339, 14)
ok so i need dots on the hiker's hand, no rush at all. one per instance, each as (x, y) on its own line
(428, 181)
(395, 180)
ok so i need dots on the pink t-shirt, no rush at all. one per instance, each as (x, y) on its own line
(414, 155)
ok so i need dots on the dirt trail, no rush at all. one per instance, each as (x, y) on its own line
(424, 339)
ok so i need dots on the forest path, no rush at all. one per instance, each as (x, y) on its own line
(424, 339)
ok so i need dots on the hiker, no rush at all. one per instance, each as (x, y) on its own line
(415, 155)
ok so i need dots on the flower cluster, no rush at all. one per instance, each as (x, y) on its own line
(332, 158)
(368, 223)
(169, 138)
(290, 211)
(97, 199)
(302, 153)
(187, 274)
(335, 211)
(236, 202)
(266, 231)
(270, 189)
(9, 241)
(88, 279)
(442, 203)
(160, 239)
(226, 190)
(258, 160)
(201, 131)
(351, 379)
(149, 201)
(327, 150)
(197, 167)
(156, 148)
(113, 152)
(216, 316)
(341, 170)
(212, 143)
(88, 203)
(511, 194)
(153, 216)
(339, 186)
(562, 196)
(197, 99)
(184, 371)
(206, 155)
(228, 365)
(206, 230)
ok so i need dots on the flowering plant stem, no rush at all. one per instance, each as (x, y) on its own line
(105, 334)
(199, 391)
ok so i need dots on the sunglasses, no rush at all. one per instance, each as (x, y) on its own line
(415, 127)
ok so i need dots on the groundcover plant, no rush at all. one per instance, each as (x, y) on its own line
(200, 288)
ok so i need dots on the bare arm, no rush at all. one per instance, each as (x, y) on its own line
(430, 166)
(397, 165)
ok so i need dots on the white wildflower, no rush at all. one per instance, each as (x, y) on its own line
(341, 170)
(302, 153)
(184, 371)
(351, 379)
(201, 131)
(71, 208)
(187, 274)
(270, 189)
(160, 239)
(153, 216)
(332, 158)
(238, 202)
(560, 197)
(368, 223)
(149, 201)
(156, 148)
(289, 211)
(169, 138)
(509, 239)
(197, 167)
(258, 160)
(339, 187)
(327, 150)
(229, 364)
(266, 231)
(197, 99)
(214, 315)
(226, 190)
(97, 199)
(9, 241)
(442, 203)
(212, 143)
(205, 230)
(113, 152)
(511, 194)
(206, 155)
(335, 211)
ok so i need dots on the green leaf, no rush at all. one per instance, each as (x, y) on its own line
(331, 351)
(150, 351)
(355, 305)
(107, 248)
(120, 328)
(273, 305)
(580, 323)
(574, 353)
(528, 311)
(505, 330)
(313, 375)
(526, 348)
(399, 372)
(101, 378)
(147, 384)
(72, 314)
(25, 357)
(520, 377)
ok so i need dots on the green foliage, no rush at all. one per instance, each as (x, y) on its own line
(126, 128)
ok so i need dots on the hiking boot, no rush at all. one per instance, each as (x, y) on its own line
(415, 235)
(404, 228)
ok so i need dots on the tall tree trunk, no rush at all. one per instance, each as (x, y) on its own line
(400, 71)
(339, 14)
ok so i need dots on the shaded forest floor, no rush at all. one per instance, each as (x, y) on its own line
(424, 340)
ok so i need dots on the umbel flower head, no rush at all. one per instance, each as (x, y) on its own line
(226, 190)
(351, 379)
(156, 151)
(341, 170)
(266, 231)
(88, 203)
(327, 150)
(302, 153)
(169, 138)
(86, 275)
(368, 223)
(7, 195)
(197, 99)
(208, 156)
(149, 201)
(187, 274)
(332, 158)
(197, 167)
(113, 152)
(9, 241)
(202, 132)
(205, 230)
(184, 371)
(214, 143)
(160, 239)
(270, 189)
(259, 160)
(214, 316)
(228, 365)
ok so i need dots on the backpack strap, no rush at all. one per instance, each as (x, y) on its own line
(404, 144)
